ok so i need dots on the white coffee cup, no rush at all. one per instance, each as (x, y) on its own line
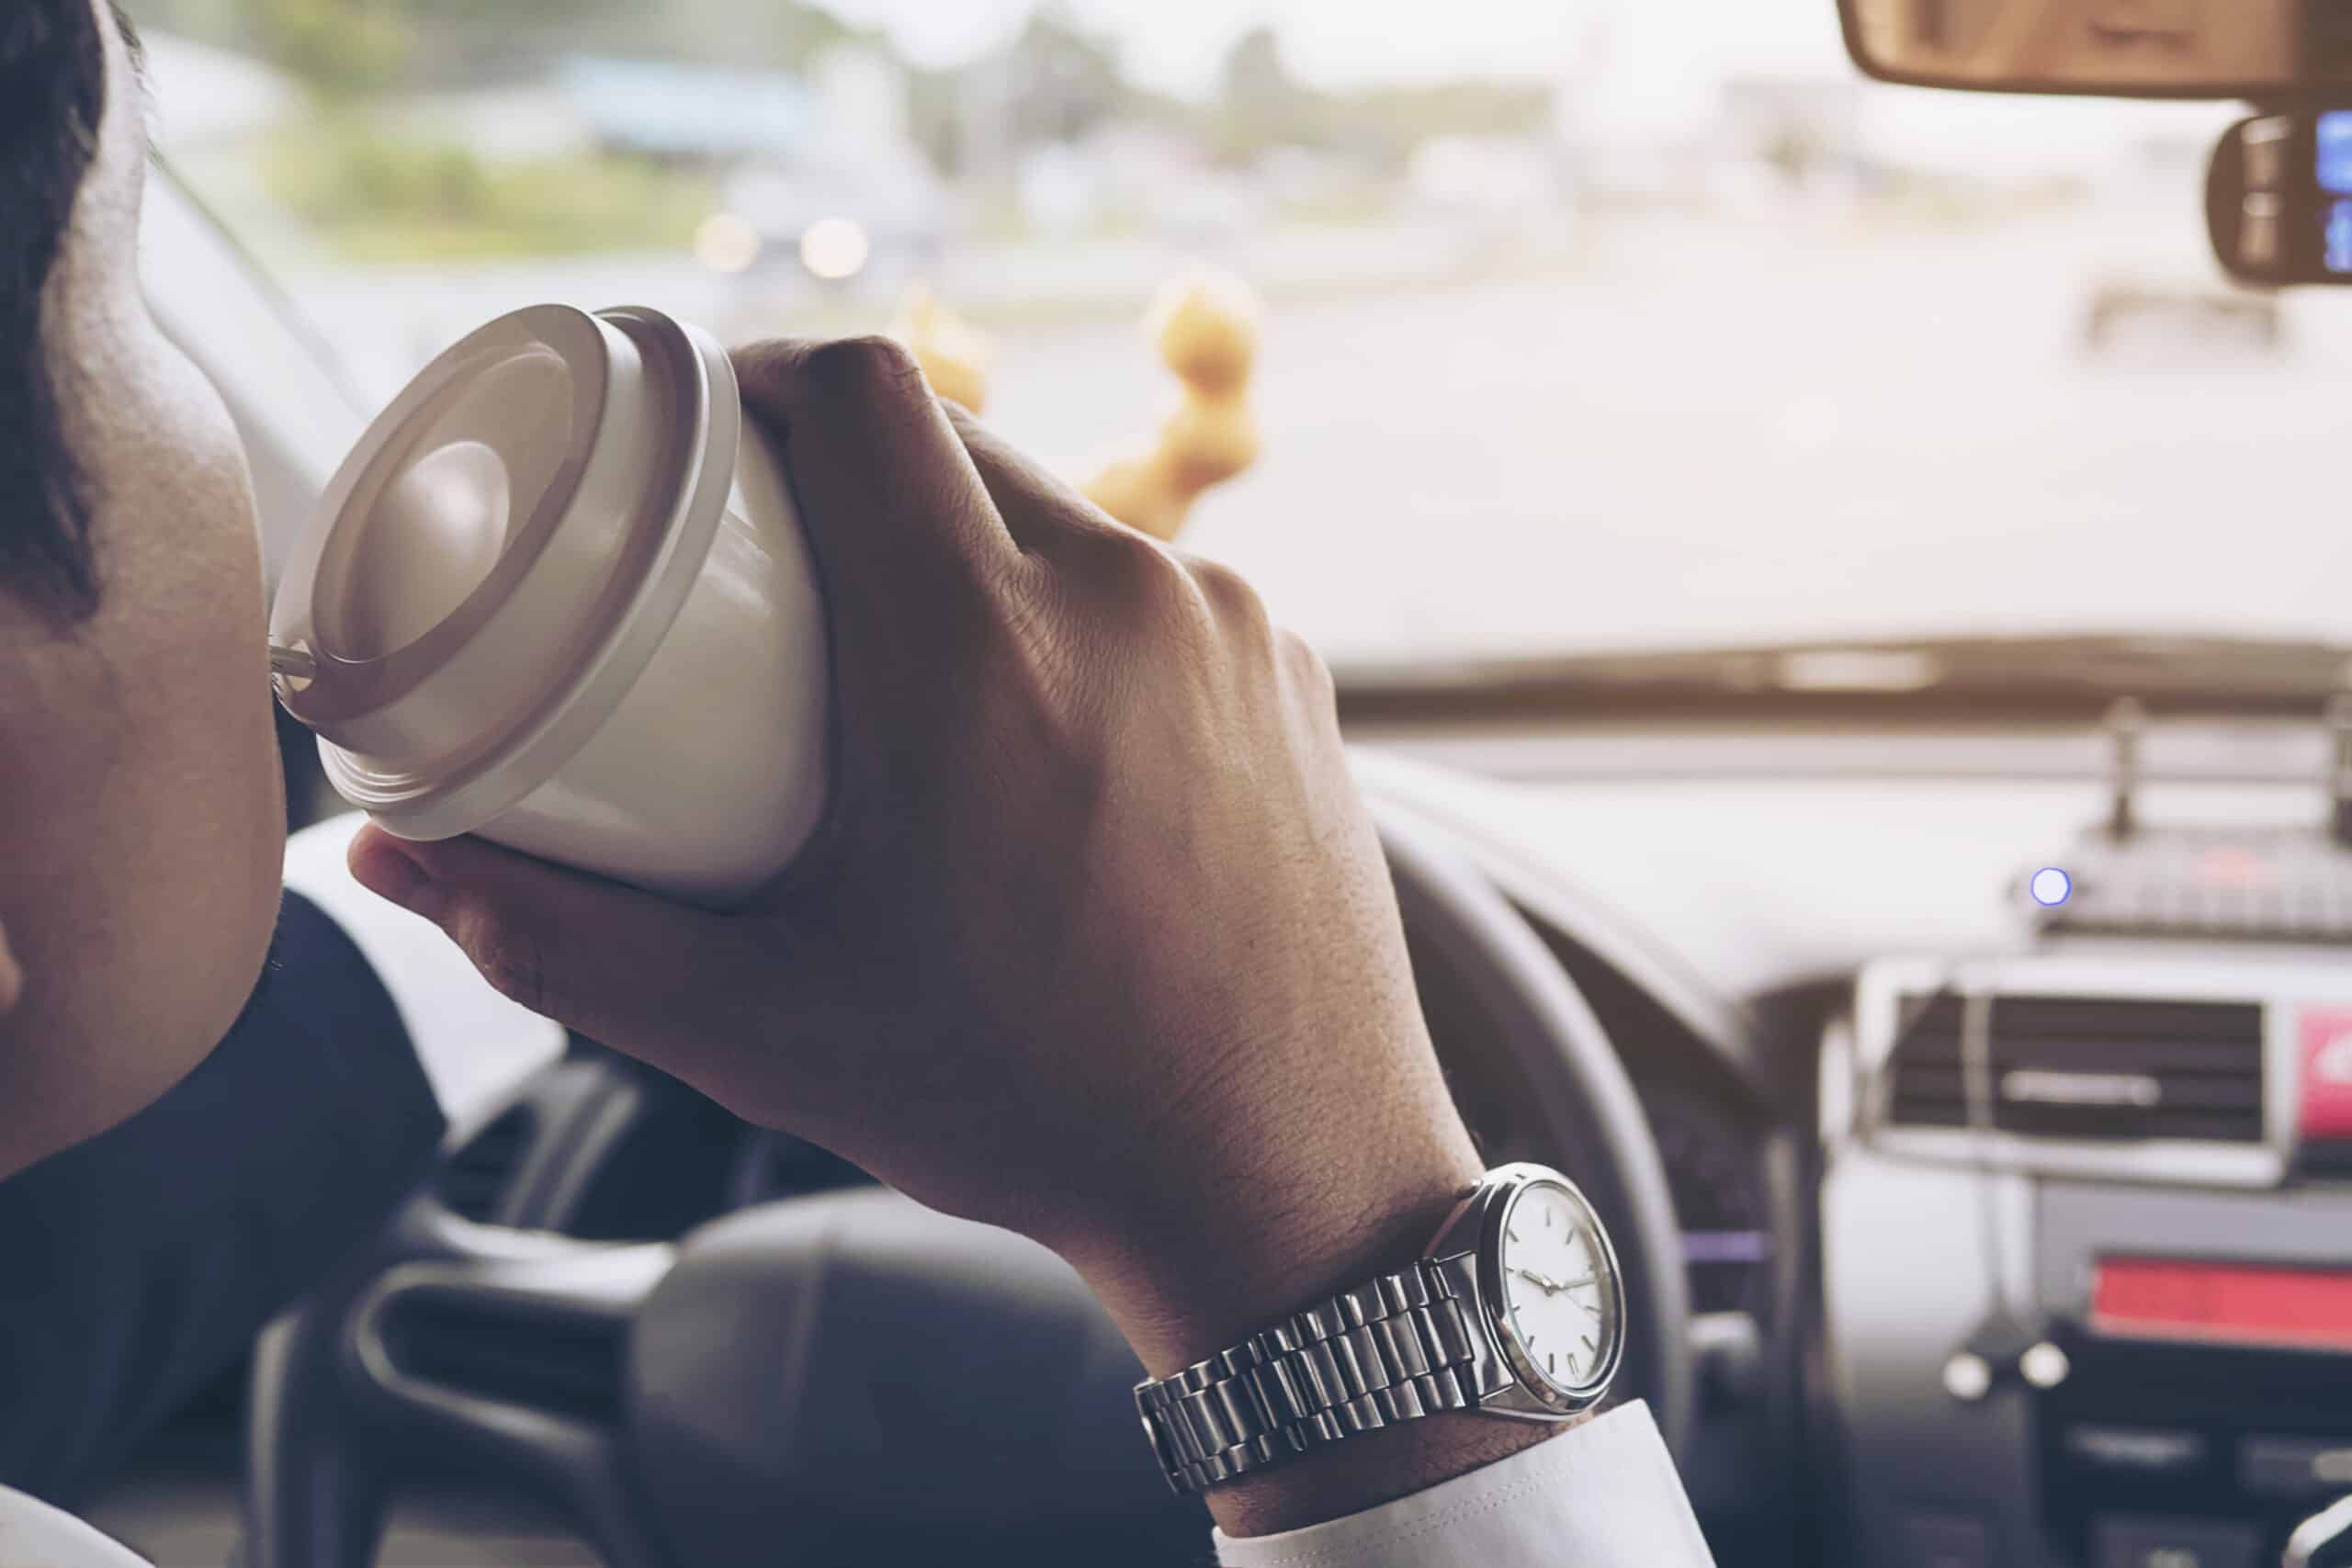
(558, 596)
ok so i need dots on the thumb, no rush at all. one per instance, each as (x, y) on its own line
(625, 968)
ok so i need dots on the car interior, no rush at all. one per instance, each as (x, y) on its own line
(1823, 519)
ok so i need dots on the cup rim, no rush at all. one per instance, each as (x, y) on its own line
(340, 687)
(705, 413)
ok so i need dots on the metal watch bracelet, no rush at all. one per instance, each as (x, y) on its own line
(1392, 1350)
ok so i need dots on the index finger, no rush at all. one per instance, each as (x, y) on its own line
(890, 502)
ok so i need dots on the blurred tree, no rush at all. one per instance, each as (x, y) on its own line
(339, 47)
(472, 39)
(346, 44)
(1387, 123)
(937, 119)
(1260, 105)
(757, 34)
(1062, 81)
(1055, 80)
(214, 21)
(802, 32)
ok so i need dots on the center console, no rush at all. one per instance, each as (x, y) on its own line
(2208, 1408)
(2088, 1253)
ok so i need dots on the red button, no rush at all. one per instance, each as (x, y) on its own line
(2326, 1035)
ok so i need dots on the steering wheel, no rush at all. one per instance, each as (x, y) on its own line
(847, 1374)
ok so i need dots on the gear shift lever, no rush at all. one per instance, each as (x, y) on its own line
(2324, 1540)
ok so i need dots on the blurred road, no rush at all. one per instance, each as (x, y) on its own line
(1688, 430)
(1710, 436)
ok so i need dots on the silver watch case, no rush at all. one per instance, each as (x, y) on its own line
(1468, 1253)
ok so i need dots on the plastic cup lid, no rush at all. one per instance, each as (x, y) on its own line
(506, 543)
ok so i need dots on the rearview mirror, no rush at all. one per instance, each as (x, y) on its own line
(2279, 198)
(2263, 50)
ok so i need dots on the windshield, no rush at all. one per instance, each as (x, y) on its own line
(1582, 324)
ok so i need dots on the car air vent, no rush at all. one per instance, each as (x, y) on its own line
(2098, 1069)
(476, 1177)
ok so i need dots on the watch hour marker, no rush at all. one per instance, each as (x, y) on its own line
(1551, 1362)
(1588, 1345)
(1510, 1232)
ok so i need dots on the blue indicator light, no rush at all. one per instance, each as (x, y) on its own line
(2339, 236)
(2334, 163)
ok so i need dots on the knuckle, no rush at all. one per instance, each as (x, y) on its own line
(1136, 573)
(863, 368)
(765, 370)
(1307, 666)
(1236, 604)
(1235, 613)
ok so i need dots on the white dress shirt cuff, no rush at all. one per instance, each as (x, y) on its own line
(1602, 1495)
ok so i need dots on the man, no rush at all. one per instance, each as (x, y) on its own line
(1096, 944)
(139, 837)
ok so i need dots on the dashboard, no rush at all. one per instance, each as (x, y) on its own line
(2040, 1217)
(1795, 938)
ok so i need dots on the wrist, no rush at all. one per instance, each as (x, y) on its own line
(1280, 1252)
(1240, 1265)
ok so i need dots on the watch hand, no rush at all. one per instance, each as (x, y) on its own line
(1550, 1286)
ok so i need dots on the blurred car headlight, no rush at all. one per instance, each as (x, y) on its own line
(726, 242)
(835, 248)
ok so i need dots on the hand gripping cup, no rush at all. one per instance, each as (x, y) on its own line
(558, 596)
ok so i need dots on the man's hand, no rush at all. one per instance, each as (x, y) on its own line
(1097, 941)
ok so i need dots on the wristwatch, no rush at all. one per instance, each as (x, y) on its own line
(1516, 1310)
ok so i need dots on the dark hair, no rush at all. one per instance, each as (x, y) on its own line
(52, 99)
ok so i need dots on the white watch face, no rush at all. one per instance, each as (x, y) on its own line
(1560, 1293)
